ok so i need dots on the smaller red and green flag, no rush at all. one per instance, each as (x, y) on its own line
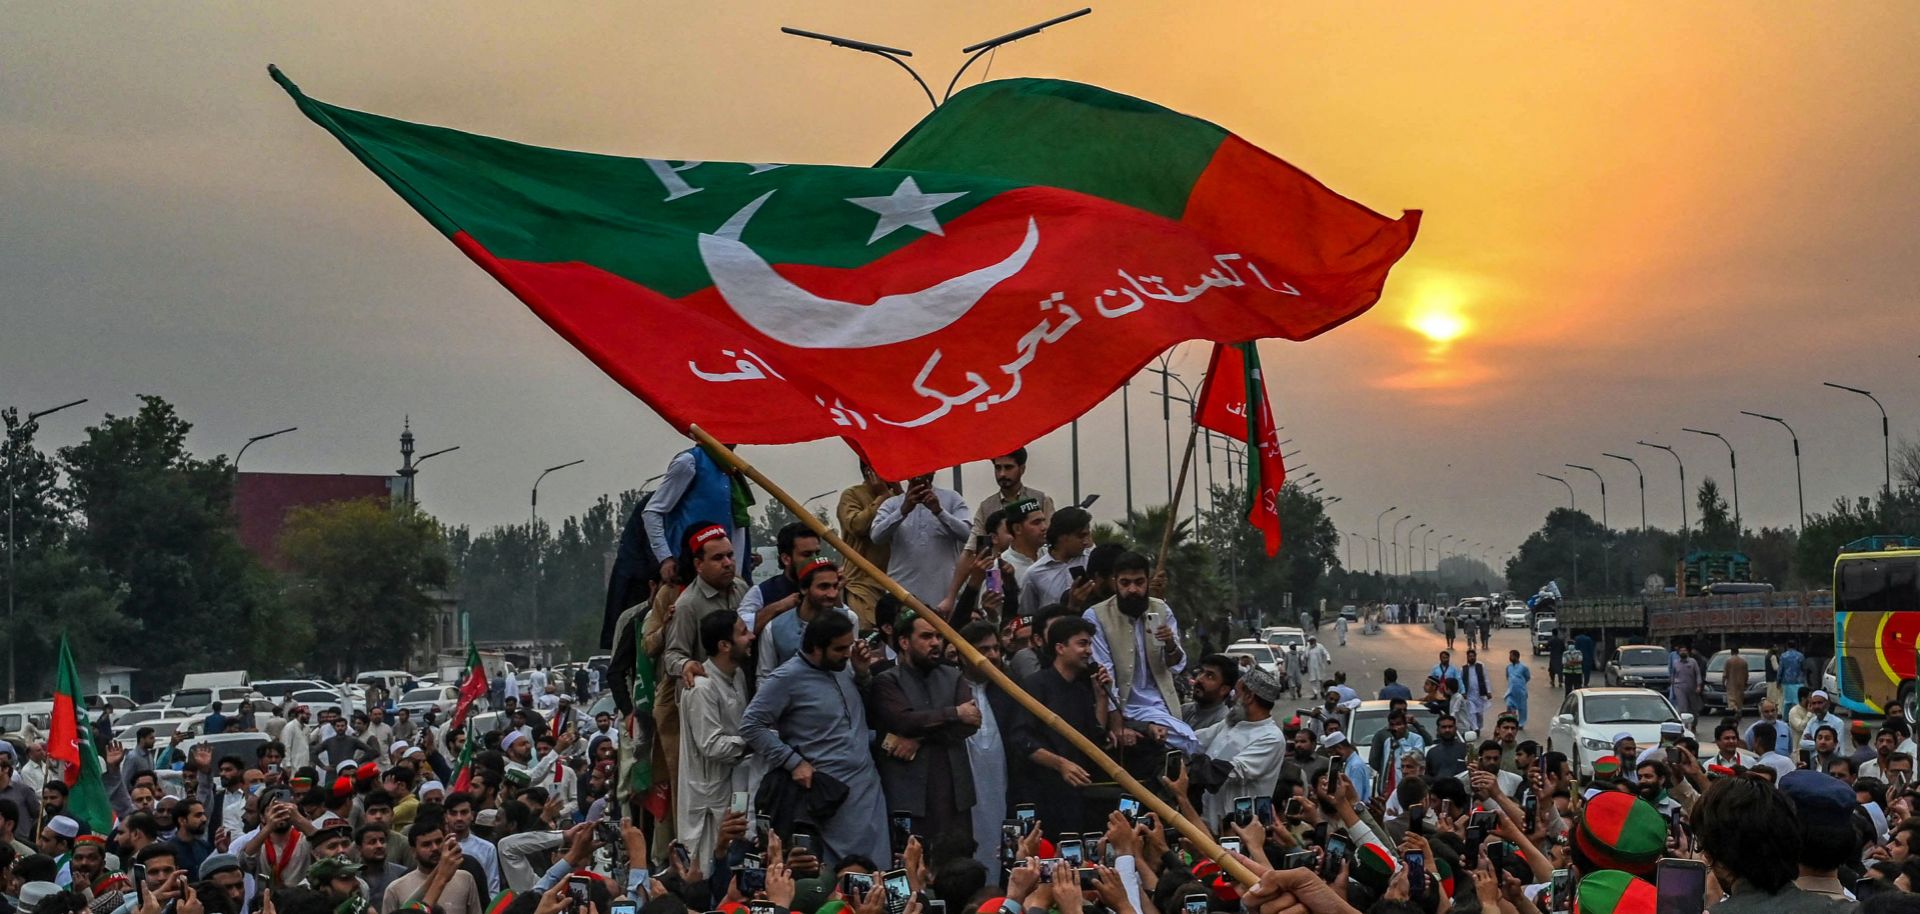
(1233, 402)
(471, 690)
(640, 764)
(464, 779)
(71, 741)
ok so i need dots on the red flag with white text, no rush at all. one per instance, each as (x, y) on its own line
(1233, 402)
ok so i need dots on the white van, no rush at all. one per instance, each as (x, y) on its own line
(213, 680)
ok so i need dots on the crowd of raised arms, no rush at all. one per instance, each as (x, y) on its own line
(809, 744)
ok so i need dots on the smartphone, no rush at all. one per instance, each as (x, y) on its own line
(902, 829)
(1152, 620)
(1088, 501)
(623, 907)
(1069, 850)
(1089, 877)
(1046, 867)
(1174, 760)
(1010, 834)
(1296, 807)
(1561, 896)
(1130, 807)
(1416, 875)
(1681, 886)
(855, 886)
(1263, 810)
(1531, 804)
(1027, 816)
(1232, 844)
(1339, 847)
(1194, 904)
(138, 873)
(681, 856)
(1485, 821)
(802, 841)
(1333, 782)
(982, 543)
(577, 887)
(739, 801)
(935, 906)
(1498, 853)
(1242, 810)
(898, 890)
(1806, 758)
(1299, 860)
(1470, 855)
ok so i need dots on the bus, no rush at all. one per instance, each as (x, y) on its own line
(1876, 627)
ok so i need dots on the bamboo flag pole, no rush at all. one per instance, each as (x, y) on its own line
(1173, 508)
(1201, 839)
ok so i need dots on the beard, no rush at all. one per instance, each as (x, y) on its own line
(832, 664)
(1649, 792)
(1134, 606)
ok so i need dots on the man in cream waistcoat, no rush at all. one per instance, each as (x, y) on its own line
(1138, 642)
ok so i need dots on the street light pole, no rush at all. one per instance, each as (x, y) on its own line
(1126, 441)
(1395, 541)
(1376, 531)
(1798, 488)
(1886, 432)
(12, 680)
(255, 440)
(412, 497)
(533, 536)
(1417, 528)
(1733, 463)
(1643, 486)
(1683, 483)
(1603, 492)
(1563, 482)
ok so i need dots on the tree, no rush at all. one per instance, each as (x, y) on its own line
(1717, 530)
(362, 573)
(1194, 588)
(52, 582)
(1569, 548)
(493, 573)
(159, 523)
(1309, 549)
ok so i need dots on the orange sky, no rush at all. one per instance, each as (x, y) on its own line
(1643, 216)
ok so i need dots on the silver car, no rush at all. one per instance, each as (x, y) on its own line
(1715, 685)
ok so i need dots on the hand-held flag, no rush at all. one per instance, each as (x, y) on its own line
(1233, 402)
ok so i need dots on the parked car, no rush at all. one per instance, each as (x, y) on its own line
(441, 700)
(163, 728)
(1715, 684)
(1543, 629)
(1283, 636)
(1589, 719)
(1259, 653)
(1350, 612)
(1515, 615)
(193, 701)
(116, 701)
(1639, 665)
(277, 690)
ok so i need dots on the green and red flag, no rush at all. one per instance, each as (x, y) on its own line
(464, 766)
(1233, 402)
(472, 689)
(1012, 261)
(70, 740)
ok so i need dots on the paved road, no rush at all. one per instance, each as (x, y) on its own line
(1413, 648)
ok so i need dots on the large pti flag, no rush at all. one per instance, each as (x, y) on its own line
(1233, 402)
(70, 740)
(472, 689)
(1020, 253)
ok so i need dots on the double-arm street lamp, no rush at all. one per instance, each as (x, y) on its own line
(533, 537)
(1886, 432)
(12, 681)
(1797, 486)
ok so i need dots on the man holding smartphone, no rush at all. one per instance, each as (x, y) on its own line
(925, 529)
(1137, 641)
(1254, 747)
(1053, 578)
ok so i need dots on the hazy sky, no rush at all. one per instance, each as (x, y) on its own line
(1639, 216)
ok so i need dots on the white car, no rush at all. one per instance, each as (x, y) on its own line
(441, 700)
(1515, 615)
(1284, 636)
(1589, 719)
(1260, 653)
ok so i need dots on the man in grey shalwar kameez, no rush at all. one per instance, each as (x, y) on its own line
(1689, 681)
(809, 716)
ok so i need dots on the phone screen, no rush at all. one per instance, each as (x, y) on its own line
(1130, 807)
(1681, 886)
(1069, 850)
(855, 886)
(1232, 844)
(802, 841)
(1416, 874)
(1338, 848)
(577, 886)
(1025, 813)
(1263, 809)
(1194, 904)
(623, 907)
(1295, 807)
(898, 891)
(1173, 765)
(902, 830)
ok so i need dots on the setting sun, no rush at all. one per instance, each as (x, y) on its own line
(1438, 325)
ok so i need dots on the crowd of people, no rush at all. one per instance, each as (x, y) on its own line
(811, 744)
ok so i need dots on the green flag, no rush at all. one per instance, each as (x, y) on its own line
(70, 740)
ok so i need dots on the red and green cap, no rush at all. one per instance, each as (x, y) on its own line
(1444, 871)
(1373, 866)
(1613, 892)
(1606, 766)
(501, 902)
(1619, 831)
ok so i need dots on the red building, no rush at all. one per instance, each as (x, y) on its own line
(262, 500)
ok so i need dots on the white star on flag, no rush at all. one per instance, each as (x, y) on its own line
(905, 206)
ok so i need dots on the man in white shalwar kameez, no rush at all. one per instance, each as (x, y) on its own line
(713, 756)
(1255, 746)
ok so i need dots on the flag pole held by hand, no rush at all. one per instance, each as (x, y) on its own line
(1202, 840)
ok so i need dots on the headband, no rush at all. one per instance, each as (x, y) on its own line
(817, 565)
(704, 534)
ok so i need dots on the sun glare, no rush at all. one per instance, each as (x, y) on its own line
(1439, 326)
(1436, 313)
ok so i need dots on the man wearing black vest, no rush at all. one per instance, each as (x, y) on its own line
(923, 711)
(1474, 685)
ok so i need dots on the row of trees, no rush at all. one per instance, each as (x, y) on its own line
(1592, 561)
